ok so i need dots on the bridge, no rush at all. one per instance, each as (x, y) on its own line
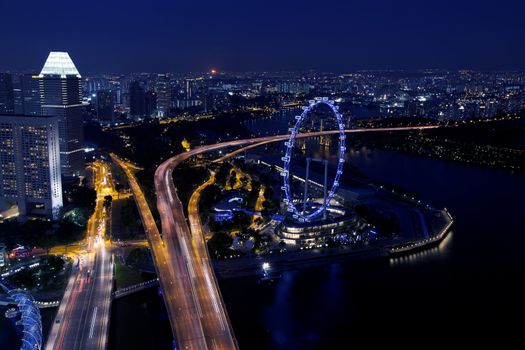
(195, 307)
(120, 293)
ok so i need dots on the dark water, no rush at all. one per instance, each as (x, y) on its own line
(275, 124)
(9, 334)
(278, 122)
(139, 321)
(468, 290)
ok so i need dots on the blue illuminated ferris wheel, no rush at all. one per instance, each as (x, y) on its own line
(288, 200)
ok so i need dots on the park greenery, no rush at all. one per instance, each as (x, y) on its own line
(130, 218)
(248, 183)
(79, 205)
(39, 233)
(129, 271)
(139, 257)
(50, 275)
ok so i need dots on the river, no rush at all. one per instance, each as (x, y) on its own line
(467, 291)
(9, 334)
(470, 287)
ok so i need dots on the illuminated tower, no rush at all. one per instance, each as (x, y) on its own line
(190, 89)
(61, 96)
(163, 89)
(30, 164)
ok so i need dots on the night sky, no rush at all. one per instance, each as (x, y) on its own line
(255, 35)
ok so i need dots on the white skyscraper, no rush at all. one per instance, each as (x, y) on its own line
(61, 96)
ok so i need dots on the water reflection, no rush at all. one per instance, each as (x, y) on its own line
(440, 251)
(275, 124)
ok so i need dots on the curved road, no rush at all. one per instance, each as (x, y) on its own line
(195, 307)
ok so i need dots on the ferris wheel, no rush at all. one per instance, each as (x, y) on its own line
(304, 216)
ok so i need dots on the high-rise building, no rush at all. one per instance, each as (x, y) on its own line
(136, 100)
(61, 96)
(26, 89)
(17, 94)
(105, 106)
(190, 89)
(163, 88)
(95, 84)
(30, 93)
(30, 164)
(7, 99)
(150, 105)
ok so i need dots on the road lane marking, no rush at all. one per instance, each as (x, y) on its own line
(93, 319)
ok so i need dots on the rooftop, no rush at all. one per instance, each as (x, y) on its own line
(59, 63)
(24, 118)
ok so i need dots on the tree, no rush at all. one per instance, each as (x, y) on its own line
(222, 174)
(82, 196)
(268, 193)
(209, 196)
(241, 220)
(256, 185)
(107, 201)
(233, 179)
(220, 242)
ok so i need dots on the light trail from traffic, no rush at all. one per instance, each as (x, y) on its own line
(192, 269)
(82, 321)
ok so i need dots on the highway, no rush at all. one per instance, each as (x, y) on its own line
(193, 209)
(184, 317)
(83, 317)
(199, 318)
(193, 301)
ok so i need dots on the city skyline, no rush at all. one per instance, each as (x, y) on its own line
(406, 35)
(261, 174)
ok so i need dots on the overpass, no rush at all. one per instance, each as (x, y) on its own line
(120, 293)
(195, 307)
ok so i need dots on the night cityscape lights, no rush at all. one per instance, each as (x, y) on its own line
(261, 175)
(303, 216)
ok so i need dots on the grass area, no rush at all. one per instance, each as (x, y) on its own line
(126, 276)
